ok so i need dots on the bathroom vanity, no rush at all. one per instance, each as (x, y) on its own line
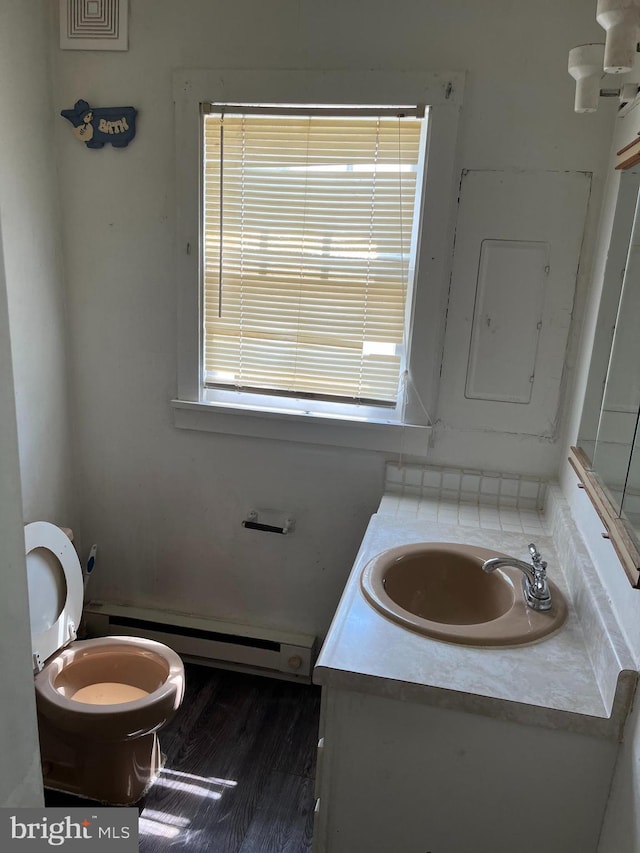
(435, 747)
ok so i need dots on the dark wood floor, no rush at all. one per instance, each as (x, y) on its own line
(239, 771)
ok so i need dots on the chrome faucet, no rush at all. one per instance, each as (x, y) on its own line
(534, 583)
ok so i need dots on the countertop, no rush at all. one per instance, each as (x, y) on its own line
(551, 683)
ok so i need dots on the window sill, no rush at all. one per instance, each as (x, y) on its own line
(307, 428)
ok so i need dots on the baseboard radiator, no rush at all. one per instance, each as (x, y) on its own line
(212, 642)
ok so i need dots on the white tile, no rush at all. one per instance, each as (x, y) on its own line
(428, 511)
(489, 518)
(469, 516)
(470, 483)
(394, 474)
(471, 498)
(490, 524)
(432, 478)
(407, 505)
(488, 511)
(528, 504)
(413, 492)
(448, 505)
(513, 527)
(509, 486)
(430, 494)
(451, 481)
(529, 489)
(509, 515)
(490, 485)
(490, 501)
(413, 476)
(447, 516)
(394, 489)
(531, 521)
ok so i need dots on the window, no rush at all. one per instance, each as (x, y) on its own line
(308, 224)
(352, 284)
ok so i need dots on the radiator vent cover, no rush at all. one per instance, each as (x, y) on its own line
(94, 24)
(213, 642)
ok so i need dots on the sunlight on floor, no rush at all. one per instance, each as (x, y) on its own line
(170, 826)
(212, 780)
(188, 783)
(196, 790)
(160, 828)
(169, 819)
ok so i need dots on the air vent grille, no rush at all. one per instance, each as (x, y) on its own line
(93, 24)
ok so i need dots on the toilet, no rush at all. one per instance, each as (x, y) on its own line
(100, 702)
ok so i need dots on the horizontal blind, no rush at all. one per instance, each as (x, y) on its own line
(307, 233)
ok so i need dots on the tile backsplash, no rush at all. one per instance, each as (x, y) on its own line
(466, 486)
(469, 498)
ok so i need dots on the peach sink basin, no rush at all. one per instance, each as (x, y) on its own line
(439, 590)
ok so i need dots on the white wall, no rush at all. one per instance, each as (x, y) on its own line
(20, 777)
(621, 828)
(35, 458)
(30, 218)
(165, 505)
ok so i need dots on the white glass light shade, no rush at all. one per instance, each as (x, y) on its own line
(621, 21)
(585, 66)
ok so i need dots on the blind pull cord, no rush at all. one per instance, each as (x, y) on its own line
(220, 255)
(407, 378)
(406, 383)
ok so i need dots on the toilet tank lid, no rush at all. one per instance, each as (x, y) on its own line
(56, 589)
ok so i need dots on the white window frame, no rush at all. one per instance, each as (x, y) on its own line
(404, 428)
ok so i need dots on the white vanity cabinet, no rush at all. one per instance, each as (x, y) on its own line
(432, 747)
(402, 777)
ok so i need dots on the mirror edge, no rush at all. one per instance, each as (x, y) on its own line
(615, 526)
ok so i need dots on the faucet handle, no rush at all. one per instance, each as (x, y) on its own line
(539, 565)
(535, 554)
